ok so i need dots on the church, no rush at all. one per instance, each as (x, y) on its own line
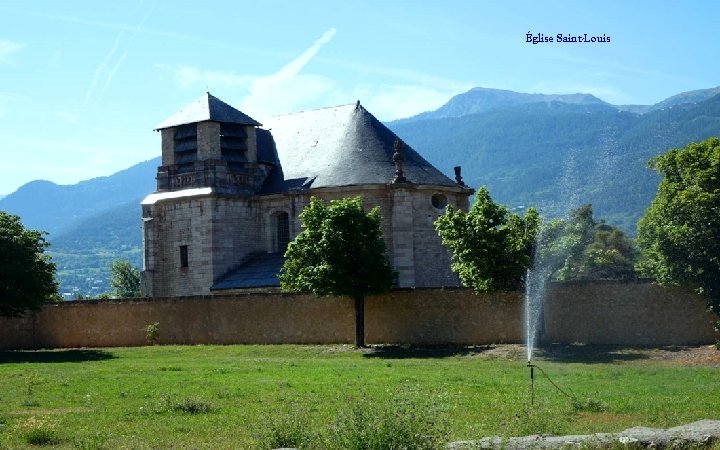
(230, 189)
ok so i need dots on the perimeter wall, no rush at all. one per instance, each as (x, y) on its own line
(633, 313)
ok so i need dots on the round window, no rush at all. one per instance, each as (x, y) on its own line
(439, 201)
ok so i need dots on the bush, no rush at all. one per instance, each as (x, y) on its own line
(192, 406)
(39, 431)
(288, 428)
(394, 424)
(152, 333)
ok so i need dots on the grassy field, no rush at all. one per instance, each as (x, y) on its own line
(325, 396)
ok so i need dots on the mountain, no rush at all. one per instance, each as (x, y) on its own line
(556, 155)
(84, 253)
(479, 100)
(46, 206)
(685, 98)
(90, 223)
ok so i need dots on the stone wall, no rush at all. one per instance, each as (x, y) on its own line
(592, 313)
(618, 313)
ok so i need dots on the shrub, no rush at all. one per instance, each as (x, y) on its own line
(192, 406)
(394, 424)
(589, 405)
(287, 428)
(152, 333)
(39, 431)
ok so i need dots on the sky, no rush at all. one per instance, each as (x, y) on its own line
(84, 83)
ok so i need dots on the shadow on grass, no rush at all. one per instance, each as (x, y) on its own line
(405, 351)
(590, 354)
(54, 356)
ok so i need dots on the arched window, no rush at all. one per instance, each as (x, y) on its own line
(282, 231)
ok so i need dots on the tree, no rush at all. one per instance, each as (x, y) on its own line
(491, 247)
(340, 251)
(581, 248)
(27, 274)
(124, 279)
(679, 234)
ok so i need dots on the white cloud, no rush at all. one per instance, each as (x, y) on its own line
(397, 101)
(289, 90)
(286, 90)
(187, 76)
(8, 49)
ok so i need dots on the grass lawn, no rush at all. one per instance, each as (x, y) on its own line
(246, 396)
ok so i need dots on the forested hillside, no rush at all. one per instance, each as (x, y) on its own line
(84, 253)
(50, 207)
(556, 156)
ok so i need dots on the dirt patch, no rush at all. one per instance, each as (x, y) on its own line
(701, 356)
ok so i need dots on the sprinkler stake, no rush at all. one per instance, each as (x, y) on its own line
(532, 383)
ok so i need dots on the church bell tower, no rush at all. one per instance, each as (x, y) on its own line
(210, 144)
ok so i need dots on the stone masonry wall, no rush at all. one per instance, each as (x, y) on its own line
(628, 314)
(617, 313)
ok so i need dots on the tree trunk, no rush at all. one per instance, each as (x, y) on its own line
(360, 321)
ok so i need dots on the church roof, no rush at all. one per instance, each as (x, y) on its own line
(258, 271)
(340, 146)
(208, 108)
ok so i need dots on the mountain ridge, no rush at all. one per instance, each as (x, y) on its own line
(51, 207)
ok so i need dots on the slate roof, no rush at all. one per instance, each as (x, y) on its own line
(259, 271)
(339, 146)
(207, 108)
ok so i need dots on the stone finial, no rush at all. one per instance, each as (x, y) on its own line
(398, 159)
(458, 175)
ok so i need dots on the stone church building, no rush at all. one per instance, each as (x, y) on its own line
(230, 190)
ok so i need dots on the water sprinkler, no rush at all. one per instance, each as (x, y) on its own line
(532, 382)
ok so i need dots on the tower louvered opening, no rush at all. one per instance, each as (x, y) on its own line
(233, 143)
(186, 147)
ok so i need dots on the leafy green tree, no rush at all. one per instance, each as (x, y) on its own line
(491, 247)
(27, 274)
(679, 234)
(124, 279)
(581, 248)
(340, 251)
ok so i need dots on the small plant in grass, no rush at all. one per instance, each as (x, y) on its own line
(40, 431)
(288, 428)
(192, 406)
(96, 441)
(30, 403)
(152, 333)
(588, 405)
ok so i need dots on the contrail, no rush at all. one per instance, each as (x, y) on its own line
(101, 68)
(269, 85)
(295, 66)
(127, 48)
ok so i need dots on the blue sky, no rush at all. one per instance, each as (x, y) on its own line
(83, 83)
